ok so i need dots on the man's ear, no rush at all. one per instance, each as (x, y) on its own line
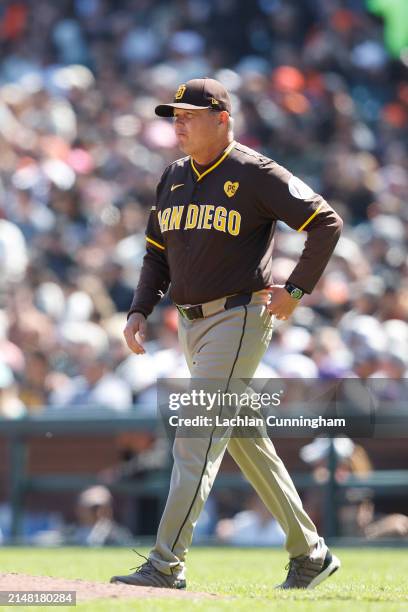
(223, 117)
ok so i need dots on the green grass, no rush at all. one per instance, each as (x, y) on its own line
(369, 580)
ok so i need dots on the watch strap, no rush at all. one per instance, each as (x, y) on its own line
(295, 292)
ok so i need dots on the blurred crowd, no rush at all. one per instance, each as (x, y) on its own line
(319, 85)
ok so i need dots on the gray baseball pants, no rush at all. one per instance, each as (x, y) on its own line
(227, 345)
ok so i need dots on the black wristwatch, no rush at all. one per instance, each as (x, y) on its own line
(294, 291)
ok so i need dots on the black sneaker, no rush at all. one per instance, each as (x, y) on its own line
(307, 573)
(146, 575)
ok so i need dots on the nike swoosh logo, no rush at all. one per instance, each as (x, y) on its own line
(173, 187)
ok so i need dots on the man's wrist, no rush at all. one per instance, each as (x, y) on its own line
(294, 291)
(134, 311)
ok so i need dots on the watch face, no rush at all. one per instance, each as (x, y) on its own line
(296, 293)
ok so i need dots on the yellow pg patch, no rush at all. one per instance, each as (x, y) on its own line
(231, 188)
(180, 92)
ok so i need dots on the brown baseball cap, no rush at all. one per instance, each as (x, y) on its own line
(197, 94)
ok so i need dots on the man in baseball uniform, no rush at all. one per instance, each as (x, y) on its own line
(210, 239)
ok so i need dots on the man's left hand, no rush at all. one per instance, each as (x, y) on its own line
(281, 304)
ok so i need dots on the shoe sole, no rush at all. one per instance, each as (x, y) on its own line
(114, 580)
(330, 569)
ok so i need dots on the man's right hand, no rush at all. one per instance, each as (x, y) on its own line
(135, 332)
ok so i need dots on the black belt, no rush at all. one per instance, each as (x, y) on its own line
(196, 312)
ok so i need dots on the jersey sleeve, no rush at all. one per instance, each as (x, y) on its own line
(282, 196)
(154, 277)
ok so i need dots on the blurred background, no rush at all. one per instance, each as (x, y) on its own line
(318, 85)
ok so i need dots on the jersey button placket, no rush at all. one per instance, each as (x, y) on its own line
(188, 238)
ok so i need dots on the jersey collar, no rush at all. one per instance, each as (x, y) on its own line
(217, 163)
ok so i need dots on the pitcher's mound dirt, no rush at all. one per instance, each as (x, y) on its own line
(92, 590)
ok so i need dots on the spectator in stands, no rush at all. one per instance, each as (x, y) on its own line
(356, 515)
(96, 526)
(11, 407)
(253, 526)
(391, 526)
(33, 390)
(95, 387)
(350, 459)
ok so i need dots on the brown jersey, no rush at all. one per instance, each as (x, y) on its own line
(210, 233)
